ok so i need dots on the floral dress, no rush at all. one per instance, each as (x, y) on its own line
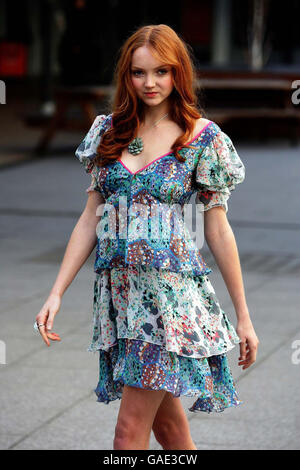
(157, 322)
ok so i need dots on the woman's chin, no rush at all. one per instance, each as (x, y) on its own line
(153, 101)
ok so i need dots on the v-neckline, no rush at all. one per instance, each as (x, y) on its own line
(164, 155)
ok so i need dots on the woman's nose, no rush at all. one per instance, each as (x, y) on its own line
(149, 80)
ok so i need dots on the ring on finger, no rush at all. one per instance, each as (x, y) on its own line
(36, 326)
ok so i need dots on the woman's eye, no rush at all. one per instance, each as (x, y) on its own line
(139, 72)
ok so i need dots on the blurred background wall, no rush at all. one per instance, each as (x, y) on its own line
(56, 54)
(220, 32)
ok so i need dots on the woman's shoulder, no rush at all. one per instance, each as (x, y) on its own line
(103, 119)
(201, 122)
(200, 125)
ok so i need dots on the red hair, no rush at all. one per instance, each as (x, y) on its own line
(128, 110)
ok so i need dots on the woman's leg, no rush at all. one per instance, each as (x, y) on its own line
(135, 419)
(171, 427)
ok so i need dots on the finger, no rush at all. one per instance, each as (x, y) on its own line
(42, 331)
(248, 361)
(244, 361)
(50, 320)
(53, 337)
(241, 363)
(246, 366)
(252, 356)
(249, 356)
(242, 350)
(51, 333)
(42, 317)
(252, 349)
(247, 351)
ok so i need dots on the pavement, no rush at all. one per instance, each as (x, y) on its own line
(47, 398)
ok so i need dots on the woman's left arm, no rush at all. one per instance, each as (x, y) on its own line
(221, 241)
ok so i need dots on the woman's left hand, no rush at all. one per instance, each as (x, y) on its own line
(249, 343)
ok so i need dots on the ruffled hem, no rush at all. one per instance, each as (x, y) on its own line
(151, 367)
(180, 312)
(98, 345)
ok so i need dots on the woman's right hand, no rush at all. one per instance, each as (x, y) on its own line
(249, 343)
(46, 315)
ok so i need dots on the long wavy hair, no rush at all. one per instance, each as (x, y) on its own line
(128, 109)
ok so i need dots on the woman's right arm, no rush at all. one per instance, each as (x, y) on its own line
(81, 243)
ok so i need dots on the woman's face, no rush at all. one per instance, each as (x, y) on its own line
(149, 75)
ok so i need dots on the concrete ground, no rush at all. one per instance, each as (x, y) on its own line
(47, 398)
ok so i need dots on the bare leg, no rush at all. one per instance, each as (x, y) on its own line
(171, 427)
(135, 419)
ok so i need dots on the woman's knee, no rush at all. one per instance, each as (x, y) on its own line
(129, 433)
(168, 432)
(138, 407)
(171, 425)
(125, 428)
(123, 435)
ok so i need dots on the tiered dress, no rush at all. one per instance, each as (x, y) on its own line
(157, 322)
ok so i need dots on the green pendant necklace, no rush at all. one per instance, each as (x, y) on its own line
(136, 146)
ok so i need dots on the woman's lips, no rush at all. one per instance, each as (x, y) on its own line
(151, 93)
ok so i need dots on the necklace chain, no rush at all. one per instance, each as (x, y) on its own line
(159, 120)
(136, 146)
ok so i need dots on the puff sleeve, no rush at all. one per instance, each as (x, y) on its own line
(87, 151)
(219, 169)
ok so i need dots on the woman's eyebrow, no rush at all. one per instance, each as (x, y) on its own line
(155, 68)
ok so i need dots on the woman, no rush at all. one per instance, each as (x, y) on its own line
(158, 325)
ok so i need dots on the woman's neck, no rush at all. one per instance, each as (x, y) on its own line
(154, 113)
